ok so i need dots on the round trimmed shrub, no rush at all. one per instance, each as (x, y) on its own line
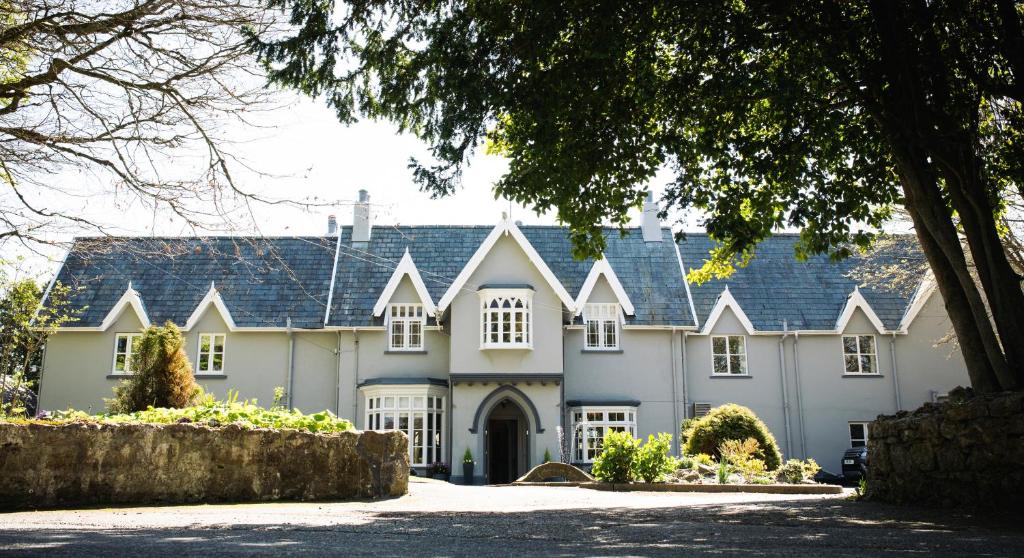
(732, 422)
(615, 463)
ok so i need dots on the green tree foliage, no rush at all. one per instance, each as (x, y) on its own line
(816, 115)
(652, 461)
(26, 322)
(163, 375)
(732, 422)
(615, 462)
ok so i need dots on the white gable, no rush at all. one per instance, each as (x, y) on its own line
(602, 267)
(212, 297)
(726, 300)
(853, 302)
(505, 227)
(129, 298)
(921, 296)
(405, 267)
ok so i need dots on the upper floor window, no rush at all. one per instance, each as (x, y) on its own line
(601, 323)
(211, 353)
(729, 354)
(591, 424)
(506, 317)
(126, 346)
(405, 327)
(859, 354)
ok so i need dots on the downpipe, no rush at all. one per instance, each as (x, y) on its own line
(895, 373)
(799, 395)
(291, 361)
(785, 389)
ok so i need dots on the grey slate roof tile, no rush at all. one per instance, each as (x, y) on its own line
(775, 286)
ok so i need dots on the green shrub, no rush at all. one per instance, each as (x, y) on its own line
(723, 472)
(547, 456)
(163, 375)
(685, 462)
(740, 455)
(732, 422)
(467, 457)
(704, 459)
(209, 411)
(652, 460)
(615, 463)
(684, 428)
(795, 471)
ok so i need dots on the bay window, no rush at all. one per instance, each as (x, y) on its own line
(506, 318)
(418, 412)
(591, 424)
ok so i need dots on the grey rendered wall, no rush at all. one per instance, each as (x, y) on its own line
(77, 363)
(506, 263)
(642, 371)
(928, 362)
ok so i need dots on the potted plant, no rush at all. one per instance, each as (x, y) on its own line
(440, 471)
(467, 467)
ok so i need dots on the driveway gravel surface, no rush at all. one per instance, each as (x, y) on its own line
(439, 519)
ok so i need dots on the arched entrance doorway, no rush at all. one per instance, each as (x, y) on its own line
(506, 442)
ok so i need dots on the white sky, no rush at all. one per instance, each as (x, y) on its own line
(309, 154)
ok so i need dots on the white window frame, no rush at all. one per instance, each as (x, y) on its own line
(728, 354)
(405, 315)
(129, 353)
(603, 316)
(386, 407)
(585, 446)
(492, 319)
(860, 354)
(849, 429)
(208, 371)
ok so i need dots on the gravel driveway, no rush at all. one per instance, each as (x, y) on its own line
(440, 519)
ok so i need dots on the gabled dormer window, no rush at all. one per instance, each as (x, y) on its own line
(405, 327)
(506, 318)
(601, 326)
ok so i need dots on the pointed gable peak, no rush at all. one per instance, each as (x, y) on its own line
(131, 298)
(212, 297)
(726, 300)
(853, 302)
(406, 267)
(601, 268)
(505, 227)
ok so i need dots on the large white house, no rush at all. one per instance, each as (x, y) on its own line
(492, 337)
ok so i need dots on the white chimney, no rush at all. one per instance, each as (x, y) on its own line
(361, 218)
(650, 224)
(332, 225)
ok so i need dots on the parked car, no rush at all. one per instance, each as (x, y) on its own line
(855, 464)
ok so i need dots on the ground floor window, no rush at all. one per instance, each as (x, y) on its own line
(590, 424)
(419, 413)
(858, 434)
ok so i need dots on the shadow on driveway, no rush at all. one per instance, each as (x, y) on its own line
(787, 528)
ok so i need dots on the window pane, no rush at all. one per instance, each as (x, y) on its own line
(415, 337)
(122, 343)
(737, 364)
(218, 362)
(593, 339)
(204, 343)
(398, 334)
(857, 431)
(218, 343)
(136, 341)
(403, 402)
(736, 345)
(867, 364)
(852, 364)
(866, 344)
(718, 345)
(119, 363)
(609, 334)
(849, 345)
(389, 421)
(204, 362)
(721, 364)
(389, 402)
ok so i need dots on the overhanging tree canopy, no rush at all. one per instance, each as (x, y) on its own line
(819, 115)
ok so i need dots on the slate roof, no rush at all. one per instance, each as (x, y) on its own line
(649, 272)
(265, 280)
(261, 280)
(808, 295)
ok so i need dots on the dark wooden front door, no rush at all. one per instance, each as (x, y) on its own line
(502, 450)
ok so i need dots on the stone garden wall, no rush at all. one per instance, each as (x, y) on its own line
(45, 465)
(965, 452)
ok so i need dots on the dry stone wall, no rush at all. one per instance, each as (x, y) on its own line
(94, 464)
(968, 451)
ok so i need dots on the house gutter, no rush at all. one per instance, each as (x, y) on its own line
(785, 389)
(895, 373)
(291, 361)
(799, 395)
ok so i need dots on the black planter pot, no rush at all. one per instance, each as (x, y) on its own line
(467, 473)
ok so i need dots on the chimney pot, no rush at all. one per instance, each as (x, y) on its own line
(332, 225)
